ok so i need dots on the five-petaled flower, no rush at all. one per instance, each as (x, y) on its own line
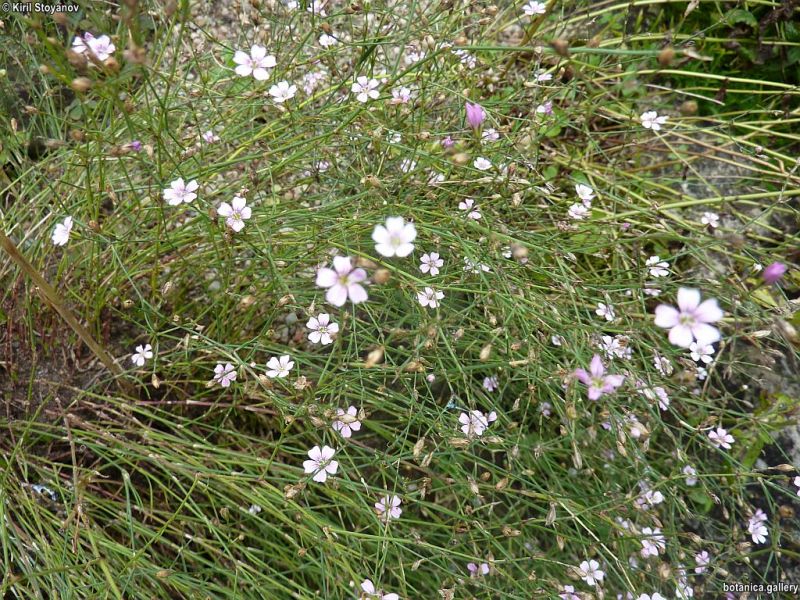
(430, 263)
(343, 282)
(371, 593)
(657, 267)
(365, 88)
(468, 206)
(235, 213)
(101, 46)
(590, 572)
(690, 321)
(346, 421)
(721, 438)
(585, 193)
(224, 374)
(321, 463)
(480, 570)
(61, 232)
(282, 91)
(596, 379)
(395, 238)
(142, 354)
(482, 164)
(388, 507)
(651, 120)
(321, 329)
(279, 367)
(257, 63)
(533, 8)
(429, 297)
(474, 423)
(179, 191)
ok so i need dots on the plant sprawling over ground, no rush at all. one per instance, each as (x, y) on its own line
(406, 299)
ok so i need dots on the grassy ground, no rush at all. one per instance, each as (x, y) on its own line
(155, 481)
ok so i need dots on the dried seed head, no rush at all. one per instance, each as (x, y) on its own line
(81, 84)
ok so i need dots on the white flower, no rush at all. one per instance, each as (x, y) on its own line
(556, 340)
(534, 8)
(282, 91)
(257, 63)
(578, 211)
(542, 76)
(430, 263)
(475, 422)
(373, 594)
(179, 191)
(395, 238)
(651, 120)
(321, 463)
(471, 266)
(142, 354)
(662, 365)
(388, 507)
(407, 165)
(590, 572)
(346, 422)
(721, 438)
(467, 206)
(279, 367)
(224, 374)
(653, 544)
(691, 475)
(365, 88)
(209, 137)
(658, 267)
(797, 484)
(467, 59)
(482, 164)
(606, 311)
(701, 352)
(235, 213)
(61, 232)
(757, 528)
(321, 329)
(429, 297)
(326, 41)
(490, 135)
(709, 218)
(490, 384)
(585, 193)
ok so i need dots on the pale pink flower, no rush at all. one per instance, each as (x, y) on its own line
(101, 47)
(429, 297)
(490, 135)
(346, 422)
(597, 381)
(651, 120)
(343, 282)
(224, 374)
(701, 352)
(321, 463)
(61, 232)
(401, 95)
(257, 63)
(657, 267)
(690, 321)
(326, 41)
(543, 76)
(653, 543)
(322, 329)
(468, 206)
(370, 593)
(279, 367)
(490, 384)
(721, 438)
(757, 527)
(475, 422)
(701, 560)
(797, 484)
(395, 238)
(209, 137)
(534, 8)
(388, 507)
(569, 593)
(482, 164)
(478, 570)
(430, 263)
(180, 191)
(142, 354)
(711, 219)
(585, 193)
(690, 474)
(365, 88)
(590, 572)
(545, 109)
(235, 213)
(606, 311)
(578, 211)
(282, 91)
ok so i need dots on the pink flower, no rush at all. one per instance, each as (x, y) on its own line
(774, 272)
(224, 374)
(343, 282)
(322, 329)
(690, 321)
(475, 115)
(757, 528)
(101, 46)
(475, 422)
(721, 438)
(370, 592)
(61, 232)
(448, 143)
(702, 561)
(257, 63)
(235, 213)
(180, 191)
(388, 507)
(320, 463)
(347, 421)
(591, 573)
(478, 570)
(569, 593)
(596, 380)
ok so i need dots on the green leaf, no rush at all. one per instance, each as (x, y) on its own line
(699, 497)
(739, 15)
